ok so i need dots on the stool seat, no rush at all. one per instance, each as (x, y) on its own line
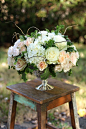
(42, 101)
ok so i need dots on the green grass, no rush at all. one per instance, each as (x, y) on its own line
(9, 77)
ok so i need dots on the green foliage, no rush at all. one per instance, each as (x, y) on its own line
(46, 74)
(22, 37)
(29, 69)
(50, 43)
(58, 28)
(35, 34)
(71, 49)
(52, 71)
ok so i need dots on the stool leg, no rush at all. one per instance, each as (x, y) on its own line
(42, 116)
(12, 112)
(73, 112)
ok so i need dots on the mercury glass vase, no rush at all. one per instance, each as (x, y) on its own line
(44, 86)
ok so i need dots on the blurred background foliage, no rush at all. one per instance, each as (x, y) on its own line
(42, 14)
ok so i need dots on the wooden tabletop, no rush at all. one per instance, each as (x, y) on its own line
(28, 90)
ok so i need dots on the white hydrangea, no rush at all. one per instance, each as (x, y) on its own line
(35, 53)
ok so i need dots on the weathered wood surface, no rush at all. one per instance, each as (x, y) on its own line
(25, 101)
(59, 101)
(28, 90)
(12, 112)
(73, 112)
(42, 115)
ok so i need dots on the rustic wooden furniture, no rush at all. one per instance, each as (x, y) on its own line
(41, 101)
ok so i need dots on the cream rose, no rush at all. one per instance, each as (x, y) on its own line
(10, 51)
(61, 42)
(52, 55)
(20, 65)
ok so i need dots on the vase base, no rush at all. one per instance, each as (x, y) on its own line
(43, 88)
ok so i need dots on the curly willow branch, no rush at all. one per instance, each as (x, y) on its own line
(69, 27)
(16, 26)
(35, 28)
(15, 35)
(19, 29)
(38, 56)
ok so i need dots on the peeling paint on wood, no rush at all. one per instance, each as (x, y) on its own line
(25, 101)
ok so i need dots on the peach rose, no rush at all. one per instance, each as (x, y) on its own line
(23, 49)
(62, 57)
(58, 68)
(42, 65)
(20, 65)
(73, 58)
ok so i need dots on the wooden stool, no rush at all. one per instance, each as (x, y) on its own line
(41, 101)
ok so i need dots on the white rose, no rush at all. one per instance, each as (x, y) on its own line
(20, 65)
(10, 61)
(52, 55)
(61, 42)
(10, 51)
(15, 51)
(43, 33)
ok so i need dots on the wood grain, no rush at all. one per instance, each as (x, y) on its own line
(28, 90)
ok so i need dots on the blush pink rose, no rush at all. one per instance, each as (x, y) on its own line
(28, 41)
(21, 44)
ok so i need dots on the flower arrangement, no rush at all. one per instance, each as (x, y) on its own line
(43, 52)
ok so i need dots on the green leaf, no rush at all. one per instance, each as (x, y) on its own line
(8, 67)
(50, 43)
(46, 74)
(69, 43)
(71, 49)
(51, 69)
(58, 28)
(22, 37)
(47, 30)
(24, 77)
(70, 72)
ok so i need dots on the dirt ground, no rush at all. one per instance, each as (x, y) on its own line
(29, 125)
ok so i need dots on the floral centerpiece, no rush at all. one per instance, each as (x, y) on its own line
(43, 53)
